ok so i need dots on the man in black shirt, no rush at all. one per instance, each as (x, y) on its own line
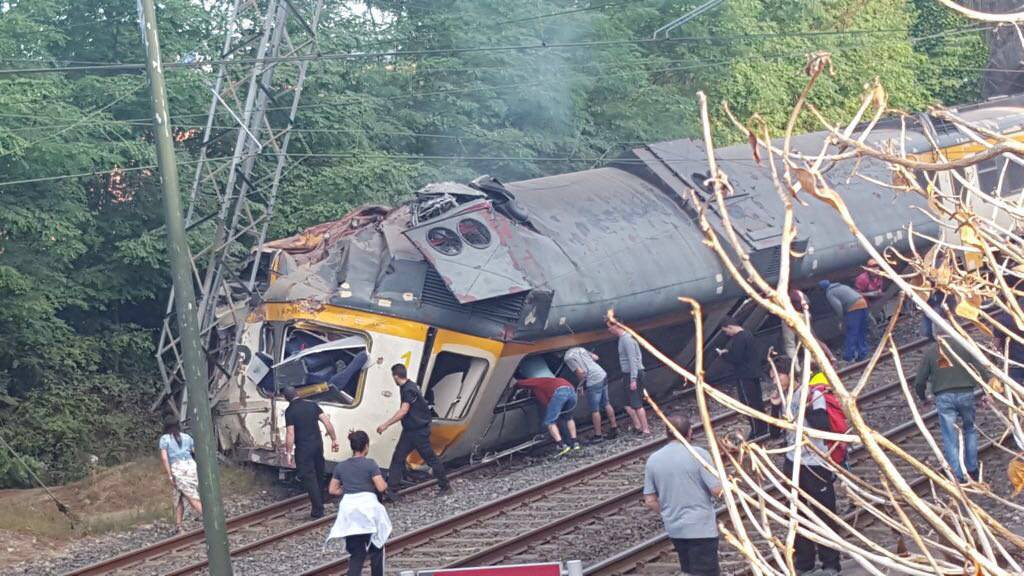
(415, 416)
(303, 418)
(742, 354)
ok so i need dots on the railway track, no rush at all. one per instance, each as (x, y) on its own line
(185, 554)
(543, 521)
(657, 556)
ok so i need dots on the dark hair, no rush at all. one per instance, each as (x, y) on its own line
(399, 370)
(783, 364)
(681, 423)
(358, 440)
(289, 393)
(172, 427)
(730, 321)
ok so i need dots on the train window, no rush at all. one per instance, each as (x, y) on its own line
(453, 383)
(445, 241)
(474, 233)
(326, 366)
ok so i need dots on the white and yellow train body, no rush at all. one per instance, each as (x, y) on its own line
(463, 282)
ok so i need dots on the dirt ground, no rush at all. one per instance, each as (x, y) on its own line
(111, 499)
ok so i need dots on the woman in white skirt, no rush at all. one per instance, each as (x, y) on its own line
(176, 449)
(362, 520)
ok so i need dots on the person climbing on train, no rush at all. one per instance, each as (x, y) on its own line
(851, 306)
(415, 416)
(631, 363)
(816, 478)
(361, 520)
(594, 379)
(743, 355)
(557, 398)
(682, 490)
(176, 450)
(953, 388)
(302, 419)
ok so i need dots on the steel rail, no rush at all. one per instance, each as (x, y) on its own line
(538, 491)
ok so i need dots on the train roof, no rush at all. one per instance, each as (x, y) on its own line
(550, 255)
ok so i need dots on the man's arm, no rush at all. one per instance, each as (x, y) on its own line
(834, 302)
(924, 372)
(289, 444)
(334, 489)
(330, 431)
(398, 415)
(651, 501)
(633, 357)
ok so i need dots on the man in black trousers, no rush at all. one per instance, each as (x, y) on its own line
(745, 360)
(302, 418)
(415, 416)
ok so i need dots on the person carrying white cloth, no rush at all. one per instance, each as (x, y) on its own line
(362, 520)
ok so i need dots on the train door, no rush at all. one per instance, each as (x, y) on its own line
(458, 367)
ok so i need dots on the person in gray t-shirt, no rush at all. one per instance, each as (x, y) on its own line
(683, 491)
(592, 375)
(631, 362)
(354, 476)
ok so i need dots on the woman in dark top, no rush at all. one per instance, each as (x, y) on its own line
(361, 519)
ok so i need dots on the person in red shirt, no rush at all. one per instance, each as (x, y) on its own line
(558, 398)
(869, 282)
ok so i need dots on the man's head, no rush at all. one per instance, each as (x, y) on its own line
(615, 329)
(872, 267)
(680, 423)
(731, 326)
(289, 393)
(399, 373)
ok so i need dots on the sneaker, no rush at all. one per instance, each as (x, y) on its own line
(390, 497)
(562, 450)
(444, 490)
(597, 439)
(828, 572)
(576, 446)
(613, 433)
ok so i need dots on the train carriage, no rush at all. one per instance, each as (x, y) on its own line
(467, 283)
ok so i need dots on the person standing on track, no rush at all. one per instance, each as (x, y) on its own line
(176, 450)
(953, 388)
(745, 360)
(303, 418)
(361, 520)
(849, 305)
(595, 382)
(557, 399)
(682, 490)
(414, 414)
(816, 479)
(632, 364)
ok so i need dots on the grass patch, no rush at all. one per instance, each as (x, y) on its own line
(112, 499)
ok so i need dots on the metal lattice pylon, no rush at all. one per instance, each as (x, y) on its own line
(262, 68)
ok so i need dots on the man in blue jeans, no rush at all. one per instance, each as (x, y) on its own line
(558, 399)
(849, 305)
(953, 388)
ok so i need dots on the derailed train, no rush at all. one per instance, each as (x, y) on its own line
(465, 284)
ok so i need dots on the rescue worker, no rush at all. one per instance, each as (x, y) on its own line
(594, 380)
(745, 360)
(849, 305)
(953, 388)
(869, 284)
(682, 490)
(632, 365)
(414, 414)
(302, 418)
(557, 397)
(815, 478)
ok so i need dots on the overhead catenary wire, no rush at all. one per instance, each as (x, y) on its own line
(323, 57)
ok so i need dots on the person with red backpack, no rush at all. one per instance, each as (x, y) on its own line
(822, 412)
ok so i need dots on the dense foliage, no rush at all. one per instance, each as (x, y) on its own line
(83, 279)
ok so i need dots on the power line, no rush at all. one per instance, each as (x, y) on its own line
(137, 66)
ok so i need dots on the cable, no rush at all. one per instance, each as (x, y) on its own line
(134, 66)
